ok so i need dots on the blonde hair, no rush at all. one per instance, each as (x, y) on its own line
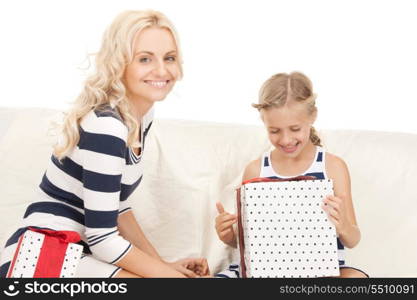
(105, 86)
(282, 88)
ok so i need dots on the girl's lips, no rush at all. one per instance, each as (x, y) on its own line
(289, 149)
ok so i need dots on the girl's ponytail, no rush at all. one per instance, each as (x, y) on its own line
(314, 137)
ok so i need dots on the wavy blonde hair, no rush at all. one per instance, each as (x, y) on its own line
(106, 85)
(283, 87)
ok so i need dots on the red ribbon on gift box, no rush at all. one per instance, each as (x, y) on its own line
(52, 254)
(266, 179)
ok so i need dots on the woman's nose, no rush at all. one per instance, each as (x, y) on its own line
(160, 69)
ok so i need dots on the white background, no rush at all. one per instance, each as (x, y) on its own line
(360, 55)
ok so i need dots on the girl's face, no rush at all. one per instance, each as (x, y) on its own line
(154, 69)
(288, 128)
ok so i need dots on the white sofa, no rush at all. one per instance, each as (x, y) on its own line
(190, 165)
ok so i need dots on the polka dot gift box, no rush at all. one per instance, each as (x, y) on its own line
(43, 253)
(283, 231)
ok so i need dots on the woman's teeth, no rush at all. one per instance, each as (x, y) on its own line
(158, 84)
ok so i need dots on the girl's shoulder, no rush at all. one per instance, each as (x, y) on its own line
(252, 169)
(335, 165)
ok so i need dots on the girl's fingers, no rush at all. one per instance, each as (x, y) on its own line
(227, 236)
(220, 208)
(331, 212)
(334, 198)
(334, 214)
(333, 204)
(227, 217)
(220, 219)
(225, 221)
(224, 233)
(226, 225)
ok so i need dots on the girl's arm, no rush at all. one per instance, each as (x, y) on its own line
(131, 231)
(251, 171)
(340, 206)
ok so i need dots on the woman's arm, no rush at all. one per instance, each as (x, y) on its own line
(102, 155)
(340, 206)
(131, 231)
(138, 262)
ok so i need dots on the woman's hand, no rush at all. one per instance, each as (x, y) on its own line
(191, 267)
(336, 211)
(224, 226)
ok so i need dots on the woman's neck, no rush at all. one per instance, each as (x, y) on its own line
(140, 107)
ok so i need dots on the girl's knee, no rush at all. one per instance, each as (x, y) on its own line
(352, 273)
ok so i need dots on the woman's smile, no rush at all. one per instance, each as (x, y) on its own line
(157, 83)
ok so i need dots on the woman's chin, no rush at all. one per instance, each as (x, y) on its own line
(158, 98)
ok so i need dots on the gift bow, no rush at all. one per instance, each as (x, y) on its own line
(63, 236)
(52, 255)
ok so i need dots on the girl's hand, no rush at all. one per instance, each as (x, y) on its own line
(336, 211)
(224, 225)
(191, 267)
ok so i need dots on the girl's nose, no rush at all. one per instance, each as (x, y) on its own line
(285, 139)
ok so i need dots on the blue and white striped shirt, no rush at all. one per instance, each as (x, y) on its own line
(89, 189)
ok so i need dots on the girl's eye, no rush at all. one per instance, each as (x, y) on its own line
(144, 59)
(171, 58)
(273, 131)
(295, 129)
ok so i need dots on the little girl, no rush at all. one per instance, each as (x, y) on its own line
(287, 108)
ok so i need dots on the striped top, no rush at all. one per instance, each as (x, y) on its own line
(89, 188)
(316, 169)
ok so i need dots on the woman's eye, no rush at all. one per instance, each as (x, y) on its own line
(171, 58)
(295, 129)
(273, 131)
(144, 59)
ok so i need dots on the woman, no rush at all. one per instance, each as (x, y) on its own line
(97, 163)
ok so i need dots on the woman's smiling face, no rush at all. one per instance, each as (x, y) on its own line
(155, 68)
